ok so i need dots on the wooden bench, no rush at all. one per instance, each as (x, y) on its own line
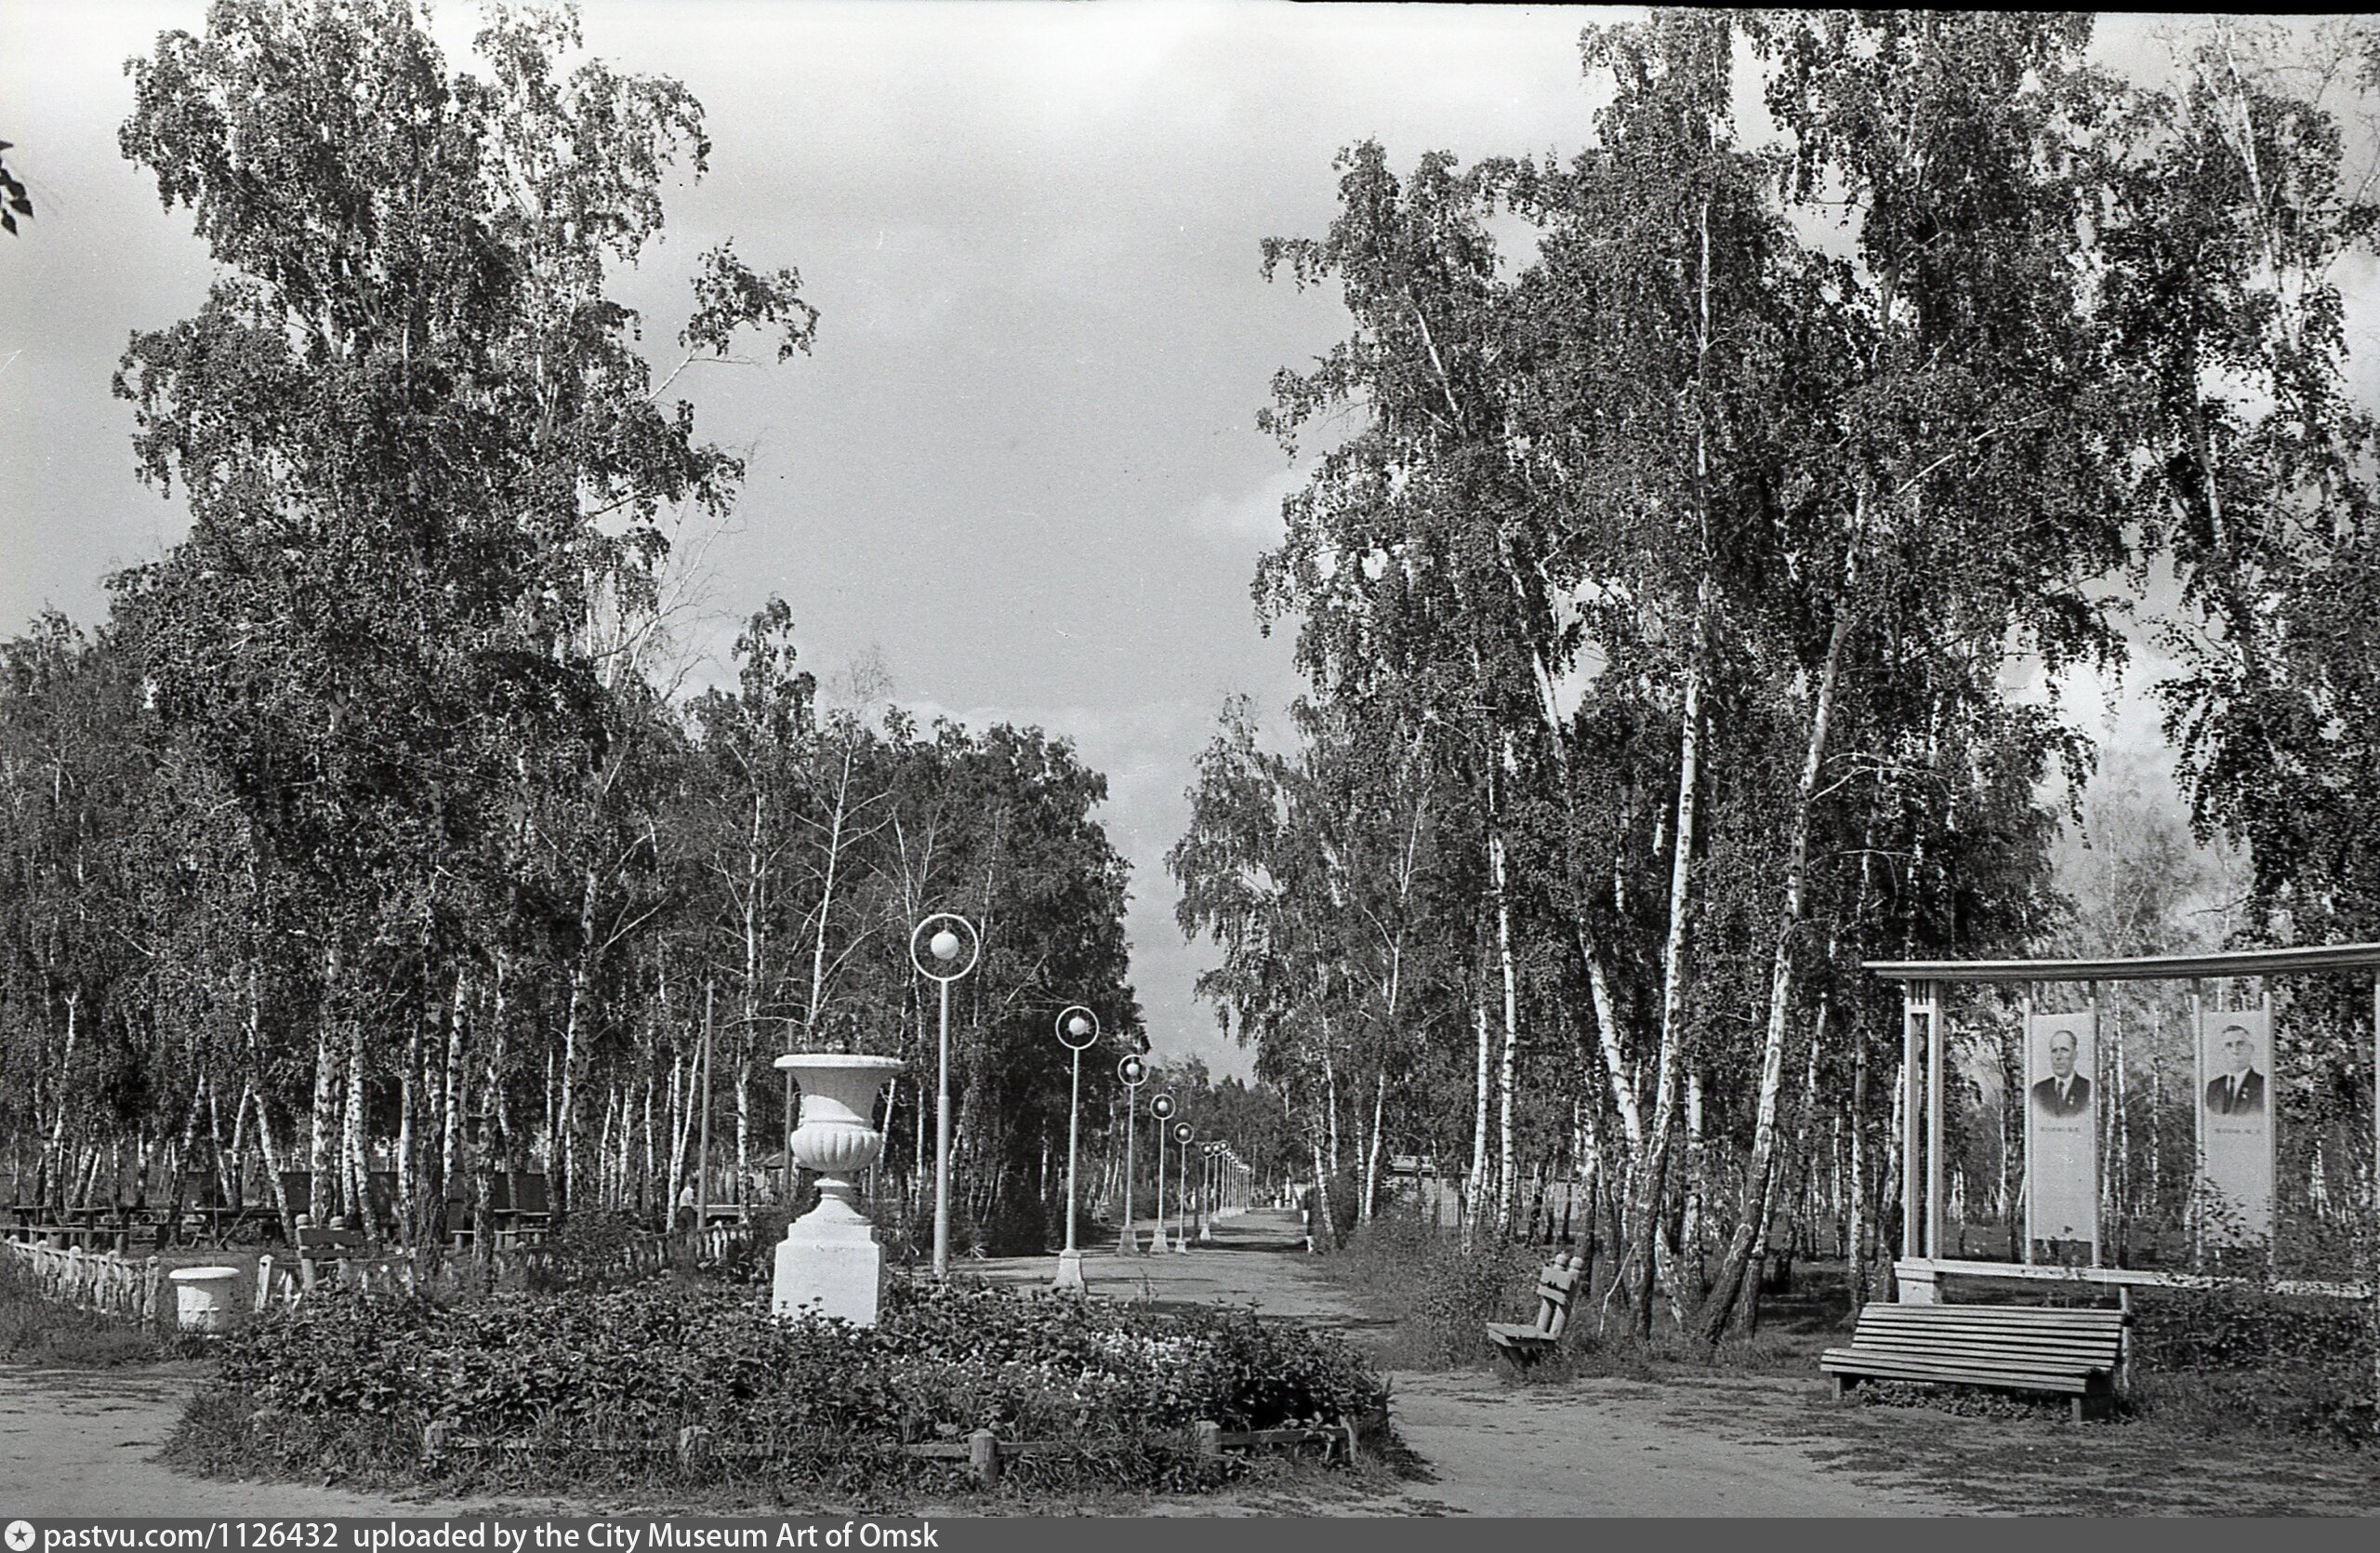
(1556, 1285)
(2078, 1354)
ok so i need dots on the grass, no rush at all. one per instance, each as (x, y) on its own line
(2239, 1401)
(33, 1331)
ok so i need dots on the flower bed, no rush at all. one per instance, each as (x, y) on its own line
(349, 1385)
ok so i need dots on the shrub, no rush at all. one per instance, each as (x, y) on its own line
(343, 1385)
(585, 1250)
(2220, 1359)
(1440, 1294)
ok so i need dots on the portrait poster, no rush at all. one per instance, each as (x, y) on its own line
(2061, 1128)
(2235, 1125)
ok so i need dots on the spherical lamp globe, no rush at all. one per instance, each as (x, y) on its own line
(1078, 1027)
(945, 944)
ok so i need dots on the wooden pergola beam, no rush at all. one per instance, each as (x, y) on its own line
(2154, 967)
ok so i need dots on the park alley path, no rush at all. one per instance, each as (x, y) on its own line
(1725, 1446)
(77, 1443)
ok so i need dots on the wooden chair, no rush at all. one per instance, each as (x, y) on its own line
(1557, 1285)
(2078, 1354)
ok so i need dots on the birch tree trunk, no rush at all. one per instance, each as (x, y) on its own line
(1507, 1072)
(1646, 1188)
(1759, 1177)
(1476, 1183)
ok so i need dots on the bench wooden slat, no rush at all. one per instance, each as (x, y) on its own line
(2045, 1363)
(1941, 1375)
(1988, 1339)
(2004, 1331)
(1983, 1373)
(2000, 1314)
(1999, 1329)
(2050, 1356)
(1851, 1361)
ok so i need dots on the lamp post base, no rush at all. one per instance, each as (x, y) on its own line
(1069, 1271)
(1127, 1242)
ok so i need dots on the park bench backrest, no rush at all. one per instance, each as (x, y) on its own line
(312, 1241)
(1557, 1286)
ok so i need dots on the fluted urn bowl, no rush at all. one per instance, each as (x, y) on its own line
(838, 1138)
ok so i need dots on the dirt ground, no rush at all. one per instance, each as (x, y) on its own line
(1697, 1444)
(1494, 1448)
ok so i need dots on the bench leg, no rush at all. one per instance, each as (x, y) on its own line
(2078, 1409)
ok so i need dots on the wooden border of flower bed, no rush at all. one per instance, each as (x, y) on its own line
(982, 1450)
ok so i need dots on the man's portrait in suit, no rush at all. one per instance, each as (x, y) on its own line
(2064, 1092)
(2240, 1089)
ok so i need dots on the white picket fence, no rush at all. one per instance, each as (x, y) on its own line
(101, 1282)
(139, 1291)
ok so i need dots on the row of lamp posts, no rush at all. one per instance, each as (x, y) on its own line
(830, 1261)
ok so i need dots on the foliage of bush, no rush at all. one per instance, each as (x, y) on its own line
(2234, 1328)
(2229, 1358)
(1440, 1296)
(1967, 1401)
(584, 1251)
(346, 1385)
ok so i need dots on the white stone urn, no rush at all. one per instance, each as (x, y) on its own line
(203, 1298)
(829, 1263)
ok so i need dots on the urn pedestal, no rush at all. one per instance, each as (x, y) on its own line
(829, 1263)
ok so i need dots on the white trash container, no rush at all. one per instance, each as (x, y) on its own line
(203, 1298)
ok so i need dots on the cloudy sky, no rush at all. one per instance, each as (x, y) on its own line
(1021, 469)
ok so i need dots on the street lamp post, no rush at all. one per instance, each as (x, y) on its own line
(1134, 1073)
(1207, 1191)
(1183, 1132)
(1160, 1106)
(1078, 1027)
(944, 946)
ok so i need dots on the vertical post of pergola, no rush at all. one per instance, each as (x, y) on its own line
(2098, 1113)
(1910, 992)
(2024, 1119)
(1930, 1002)
(2198, 1124)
